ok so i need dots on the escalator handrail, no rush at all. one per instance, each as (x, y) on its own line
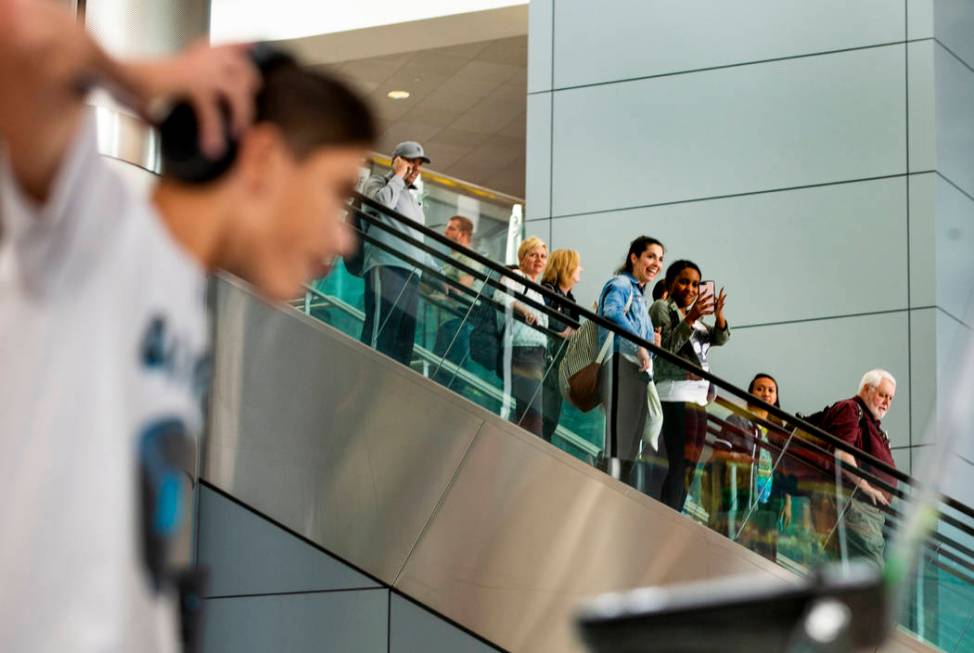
(657, 351)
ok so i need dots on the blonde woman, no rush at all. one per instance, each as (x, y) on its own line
(563, 273)
(525, 343)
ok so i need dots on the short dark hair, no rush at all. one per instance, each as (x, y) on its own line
(676, 267)
(465, 224)
(659, 290)
(313, 109)
(637, 247)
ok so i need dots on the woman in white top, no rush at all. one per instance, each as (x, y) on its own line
(684, 395)
(524, 343)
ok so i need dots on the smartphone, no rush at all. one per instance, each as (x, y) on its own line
(708, 288)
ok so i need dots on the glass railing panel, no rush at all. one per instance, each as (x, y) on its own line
(939, 605)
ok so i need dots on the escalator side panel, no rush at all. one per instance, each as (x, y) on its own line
(329, 438)
(524, 536)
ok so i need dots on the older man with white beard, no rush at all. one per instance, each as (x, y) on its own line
(857, 421)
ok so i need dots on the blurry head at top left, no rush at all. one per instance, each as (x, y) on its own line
(282, 181)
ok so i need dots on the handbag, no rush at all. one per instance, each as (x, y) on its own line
(578, 374)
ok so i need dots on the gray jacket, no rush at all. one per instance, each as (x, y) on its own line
(390, 191)
(676, 337)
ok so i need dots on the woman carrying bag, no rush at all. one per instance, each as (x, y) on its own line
(563, 273)
(626, 378)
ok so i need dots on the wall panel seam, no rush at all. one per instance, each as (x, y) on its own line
(909, 273)
(439, 504)
(690, 71)
(954, 184)
(951, 53)
(766, 191)
(294, 593)
(954, 317)
(823, 318)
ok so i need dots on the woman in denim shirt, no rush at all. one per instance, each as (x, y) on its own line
(627, 376)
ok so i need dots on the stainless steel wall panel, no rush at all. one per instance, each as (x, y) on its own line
(333, 440)
(525, 533)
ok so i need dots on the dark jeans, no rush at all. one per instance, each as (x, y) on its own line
(552, 396)
(527, 368)
(624, 392)
(391, 300)
(453, 343)
(684, 432)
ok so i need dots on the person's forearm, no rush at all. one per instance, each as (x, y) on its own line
(849, 460)
(49, 63)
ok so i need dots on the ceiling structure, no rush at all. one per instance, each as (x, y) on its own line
(467, 106)
(259, 20)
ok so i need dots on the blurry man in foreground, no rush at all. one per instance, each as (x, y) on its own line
(103, 327)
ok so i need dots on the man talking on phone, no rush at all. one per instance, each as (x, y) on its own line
(391, 283)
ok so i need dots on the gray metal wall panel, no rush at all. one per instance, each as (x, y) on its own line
(413, 630)
(955, 125)
(299, 623)
(637, 38)
(526, 533)
(245, 554)
(814, 120)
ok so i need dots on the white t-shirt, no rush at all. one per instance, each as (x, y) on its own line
(87, 282)
(516, 332)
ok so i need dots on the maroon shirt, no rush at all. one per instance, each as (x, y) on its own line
(843, 421)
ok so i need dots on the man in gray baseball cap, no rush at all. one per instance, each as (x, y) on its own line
(392, 284)
(411, 151)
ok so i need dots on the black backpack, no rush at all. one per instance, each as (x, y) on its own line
(807, 464)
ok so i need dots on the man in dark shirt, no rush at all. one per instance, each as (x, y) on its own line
(857, 421)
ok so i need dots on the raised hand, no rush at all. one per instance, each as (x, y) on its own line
(702, 306)
(644, 359)
(719, 309)
(401, 167)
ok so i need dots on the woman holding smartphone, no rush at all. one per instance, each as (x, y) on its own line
(683, 395)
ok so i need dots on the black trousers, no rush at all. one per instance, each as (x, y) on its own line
(552, 399)
(391, 301)
(526, 372)
(684, 432)
(624, 393)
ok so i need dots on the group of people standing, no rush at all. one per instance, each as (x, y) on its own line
(656, 417)
(655, 410)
